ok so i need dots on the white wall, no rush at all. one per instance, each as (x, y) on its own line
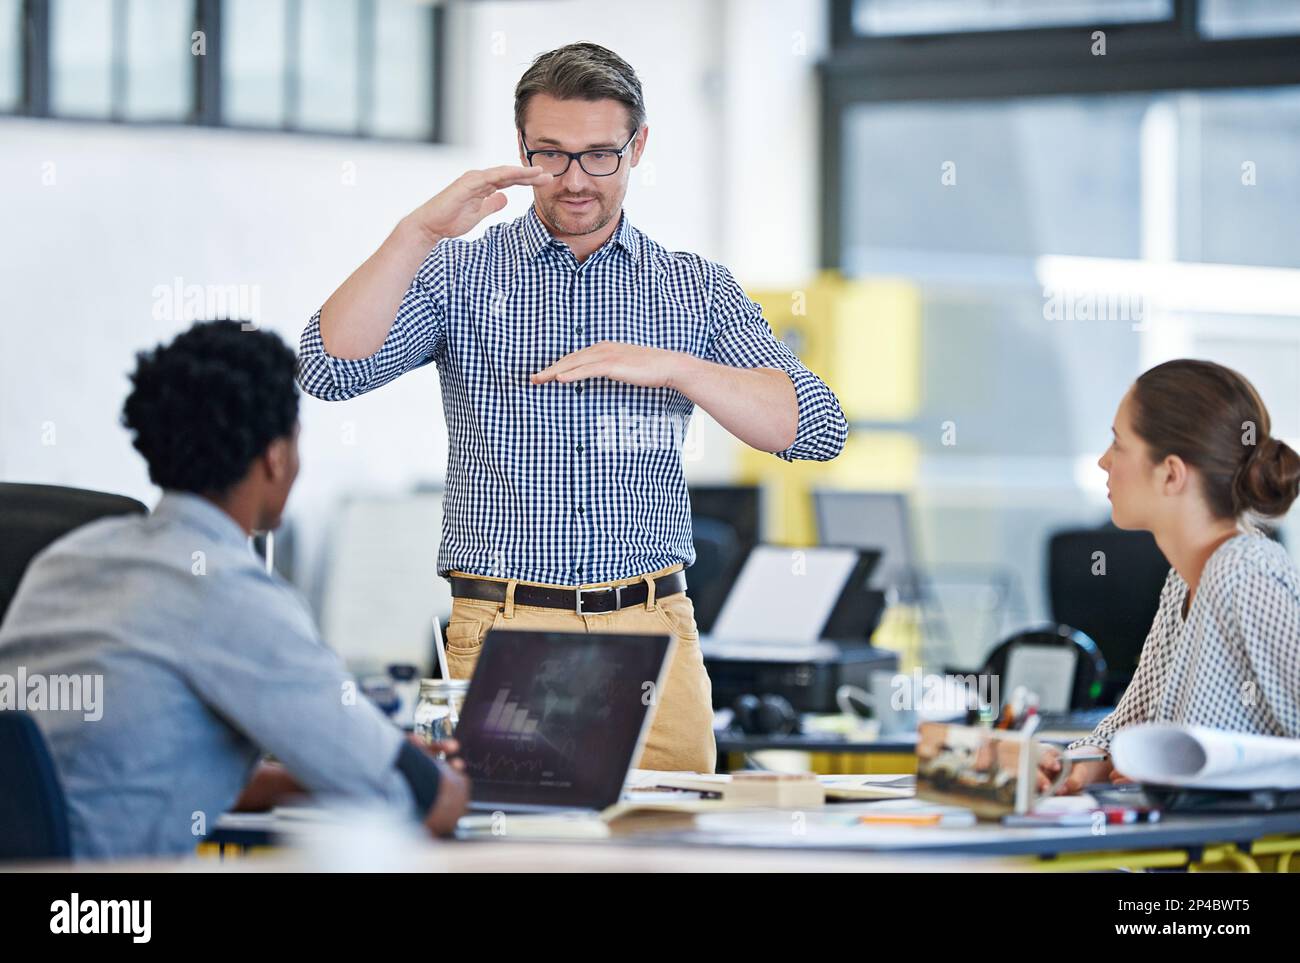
(95, 218)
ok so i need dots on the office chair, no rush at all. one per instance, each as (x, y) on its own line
(725, 524)
(33, 516)
(33, 810)
(719, 555)
(1117, 608)
(1089, 664)
(875, 520)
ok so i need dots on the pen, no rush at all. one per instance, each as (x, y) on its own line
(1126, 814)
(901, 819)
(956, 818)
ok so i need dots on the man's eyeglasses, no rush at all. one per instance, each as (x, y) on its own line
(600, 162)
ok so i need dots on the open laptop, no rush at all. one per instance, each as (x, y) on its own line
(554, 721)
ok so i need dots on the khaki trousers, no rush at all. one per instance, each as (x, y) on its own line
(681, 727)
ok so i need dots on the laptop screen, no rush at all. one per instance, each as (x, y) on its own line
(556, 718)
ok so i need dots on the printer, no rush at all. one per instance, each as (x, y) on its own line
(796, 624)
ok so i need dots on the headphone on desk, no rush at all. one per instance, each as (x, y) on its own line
(765, 715)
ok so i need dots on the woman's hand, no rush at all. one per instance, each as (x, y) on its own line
(1081, 773)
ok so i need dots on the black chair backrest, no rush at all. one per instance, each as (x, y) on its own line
(33, 516)
(1116, 608)
(33, 810)
(725, 523)
(1089, 666)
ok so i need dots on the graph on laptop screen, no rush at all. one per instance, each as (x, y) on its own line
(554, 718)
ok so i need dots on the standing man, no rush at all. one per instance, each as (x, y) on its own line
(553, 336)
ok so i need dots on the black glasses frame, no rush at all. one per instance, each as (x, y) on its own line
(578, 155)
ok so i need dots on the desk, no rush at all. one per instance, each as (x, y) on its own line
(503, 856)
(1175, 841)
(1238, 842)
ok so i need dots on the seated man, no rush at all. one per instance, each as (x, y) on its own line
(206, 661)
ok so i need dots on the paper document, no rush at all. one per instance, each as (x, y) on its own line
(1174, 755)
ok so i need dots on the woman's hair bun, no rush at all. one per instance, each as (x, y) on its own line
(1269, 479)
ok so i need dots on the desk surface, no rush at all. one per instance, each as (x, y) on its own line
(831, 830)
(825, 830)
(503, 856)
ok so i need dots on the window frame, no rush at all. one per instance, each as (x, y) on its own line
(206, 103)
(1141, 57)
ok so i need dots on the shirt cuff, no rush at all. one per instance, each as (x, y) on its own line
(325, 376)
(1095, 741)
(421, 774)
(822, 428)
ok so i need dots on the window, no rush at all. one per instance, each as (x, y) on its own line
(1249, 18)
(347, 67)
(883, 88)
(11, 63)
(404, 78)
(895, 17)
(159, 66)
(1064, 220)
(82, 75)
(1011, 178)
(329, 68)
(254, 61)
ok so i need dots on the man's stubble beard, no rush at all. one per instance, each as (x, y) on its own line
(556, 216)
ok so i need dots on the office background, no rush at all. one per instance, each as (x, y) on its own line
(900, 184)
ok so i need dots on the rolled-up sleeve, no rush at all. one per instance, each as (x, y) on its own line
(745, 340)
(416, 337)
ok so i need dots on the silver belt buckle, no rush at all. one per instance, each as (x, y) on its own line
(618, 599)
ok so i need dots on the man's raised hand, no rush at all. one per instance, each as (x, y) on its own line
(470, 198)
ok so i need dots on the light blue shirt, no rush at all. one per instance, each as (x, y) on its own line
(206, 662)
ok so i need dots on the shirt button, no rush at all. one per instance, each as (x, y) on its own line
(577, 329)
(578, 388)
(580, 449)
(581, 510)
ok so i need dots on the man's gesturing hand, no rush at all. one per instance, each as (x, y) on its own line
(470, 198)
(632, 364)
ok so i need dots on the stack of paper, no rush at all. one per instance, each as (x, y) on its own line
(775, 790)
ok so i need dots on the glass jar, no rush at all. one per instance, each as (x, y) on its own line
(437, 710)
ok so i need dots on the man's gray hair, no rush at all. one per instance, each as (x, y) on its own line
(581, 71)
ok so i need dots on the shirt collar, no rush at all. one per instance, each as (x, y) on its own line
(195, 511)
(536, 236)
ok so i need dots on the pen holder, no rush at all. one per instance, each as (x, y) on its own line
(992, 772)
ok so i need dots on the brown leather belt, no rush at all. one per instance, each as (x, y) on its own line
(592, 601)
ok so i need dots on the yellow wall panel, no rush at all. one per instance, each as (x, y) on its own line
(864, 338)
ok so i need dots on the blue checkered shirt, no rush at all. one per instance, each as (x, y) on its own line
(575, 483)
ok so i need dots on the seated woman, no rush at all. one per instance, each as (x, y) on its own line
(1192, 462)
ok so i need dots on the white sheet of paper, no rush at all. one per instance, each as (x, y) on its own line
(1174, 755)
(784, 594)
